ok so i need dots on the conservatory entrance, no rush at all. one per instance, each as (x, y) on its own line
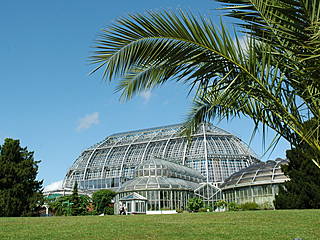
(208, 193)
(134, 203)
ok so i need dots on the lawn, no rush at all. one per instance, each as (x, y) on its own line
(255, 225)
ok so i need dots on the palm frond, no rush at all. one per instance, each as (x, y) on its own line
(267, 83)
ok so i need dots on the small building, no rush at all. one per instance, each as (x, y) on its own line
(134, 203)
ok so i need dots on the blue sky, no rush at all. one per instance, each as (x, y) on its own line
(47, 98)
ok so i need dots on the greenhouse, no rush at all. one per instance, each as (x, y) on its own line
(164, 184)
(258, 183)
(157, 169)
(213, 152)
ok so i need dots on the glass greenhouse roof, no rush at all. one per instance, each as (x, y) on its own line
(257, 174)
(161, 174)
(133, 196)
(159, 167)
(154, 183)
(213, 152)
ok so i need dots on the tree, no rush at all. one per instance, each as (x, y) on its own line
(20, 192)
(194, 204)
(71, 205)
(102, 201)
(61, 206)
(75, 201)
(78, 204)
(274, 81)
(303, 189)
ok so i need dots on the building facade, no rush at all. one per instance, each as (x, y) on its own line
(165, 184)
(257, 183)
(213, 152)
(158, 168)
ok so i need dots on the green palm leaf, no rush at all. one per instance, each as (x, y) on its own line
(267, 83)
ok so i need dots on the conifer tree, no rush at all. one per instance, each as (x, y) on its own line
(74, 201)
(78, 203)
(303, 189)
(20, 192)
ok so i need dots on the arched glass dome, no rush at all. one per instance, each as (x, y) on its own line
(164, 184)
(156, 183)
(160, 174)
(161, 168)
(257, 183)
(213, 152)
(257, 174)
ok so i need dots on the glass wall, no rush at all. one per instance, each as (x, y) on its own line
(209, 194)
(162, 199)
(261, 194)
(97, 184)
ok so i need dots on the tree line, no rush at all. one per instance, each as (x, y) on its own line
(79, 205)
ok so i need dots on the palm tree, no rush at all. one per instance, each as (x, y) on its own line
(275, 80)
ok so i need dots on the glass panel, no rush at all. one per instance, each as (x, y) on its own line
(128, 206)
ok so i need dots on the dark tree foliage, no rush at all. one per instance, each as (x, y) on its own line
(63, 206)
(60, 206)
(102, 201)
(20, 192)
(303, 189)
(77, 203)
(70, 205)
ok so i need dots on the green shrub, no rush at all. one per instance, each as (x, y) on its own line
(203, 210)
(194, 204)
(249, 206)
(109, 210)
(232, 206)
(266, 206)
(179, 210)
(221, 204)
(208, 207)
(69, 205)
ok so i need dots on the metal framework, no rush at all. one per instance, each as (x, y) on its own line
(213, 152)
(257, 183)
(166, 185)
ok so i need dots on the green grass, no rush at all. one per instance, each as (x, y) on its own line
(255, 225)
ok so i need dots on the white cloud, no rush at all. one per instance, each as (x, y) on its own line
(243, 41)
(146, 95)
(53, 186)
(88, 120)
